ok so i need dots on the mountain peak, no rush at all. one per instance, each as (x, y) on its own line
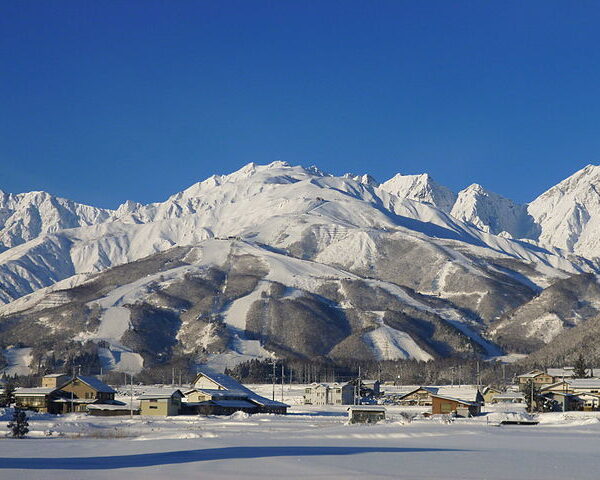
(421, 188)
(493, 213)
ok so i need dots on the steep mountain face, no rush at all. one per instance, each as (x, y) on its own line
(568, 214)
(493, 213)
(26, 216)
(280, 260)
(225, 301)
(562, 306)
(421, 188)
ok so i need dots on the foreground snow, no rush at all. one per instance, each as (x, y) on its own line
(308, 443)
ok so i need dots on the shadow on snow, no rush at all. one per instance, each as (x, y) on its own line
(187, 456)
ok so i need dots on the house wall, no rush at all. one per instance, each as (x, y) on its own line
(420, 397)
(54, 382)
(441, 406)
(37, 403)
(204, 382)
(154, 407)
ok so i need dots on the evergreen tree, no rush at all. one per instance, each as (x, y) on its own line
(19, 426)
(8, 396)
(580, 367)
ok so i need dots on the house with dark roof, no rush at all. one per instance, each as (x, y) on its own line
(80, 391)
(216, 393)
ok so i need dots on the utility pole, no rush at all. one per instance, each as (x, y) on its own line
(130, 395)
(282, 377)
(274, 363)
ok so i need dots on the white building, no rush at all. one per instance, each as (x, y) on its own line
(329, 394)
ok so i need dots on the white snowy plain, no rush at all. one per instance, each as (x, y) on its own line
(310, 442)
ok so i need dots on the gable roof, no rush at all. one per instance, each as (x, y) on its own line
(92, 382)
(427, 389)
(232, 385)
(161, 396)
(458, 400)
(532, 374)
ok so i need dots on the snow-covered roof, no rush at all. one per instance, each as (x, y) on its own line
(584, 383)
(532, 374)
(55, 375)
(110, 406)
(160, 396)
(367, 408)
(232, 385)
(454, 399)
(96, 384)
(34, 391)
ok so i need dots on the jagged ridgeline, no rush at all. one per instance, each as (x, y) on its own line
(290, 262)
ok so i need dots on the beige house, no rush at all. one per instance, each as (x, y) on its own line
(163, 404)
(80, 391)
(54, 380)
(537, 377)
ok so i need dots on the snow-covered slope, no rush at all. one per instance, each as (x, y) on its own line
(421, 188)
(25, 216)
(391, 260)
(493, 213)
(568, 214)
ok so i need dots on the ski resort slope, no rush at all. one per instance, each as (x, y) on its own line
(307, 444)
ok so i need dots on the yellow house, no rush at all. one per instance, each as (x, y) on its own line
(162, 404)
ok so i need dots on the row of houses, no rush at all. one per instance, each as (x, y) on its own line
(552, 375)
(211, 393)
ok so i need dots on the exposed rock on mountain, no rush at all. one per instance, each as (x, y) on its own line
(493, 213)
(421, 188)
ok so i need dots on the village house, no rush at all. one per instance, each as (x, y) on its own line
(167, 403)
(79, 392)
(420, 396)
(459, 407)
(508, 397)
(329, 394)
(219, 394)
(537, 377)
(489, 393)
(567, 373)
(38, 399)
(54, 380)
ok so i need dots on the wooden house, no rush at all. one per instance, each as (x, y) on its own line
(167, 403)
(537, 377)
(419, 396)
(449, 405)
(38, 399)
(80, 391)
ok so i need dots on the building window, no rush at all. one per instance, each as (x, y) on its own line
(153, 406)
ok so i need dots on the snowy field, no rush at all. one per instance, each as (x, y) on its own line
(310, 442)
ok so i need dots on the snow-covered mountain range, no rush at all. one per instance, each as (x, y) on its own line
(289, 261)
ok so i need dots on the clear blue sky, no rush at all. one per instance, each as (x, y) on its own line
(103, 101)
